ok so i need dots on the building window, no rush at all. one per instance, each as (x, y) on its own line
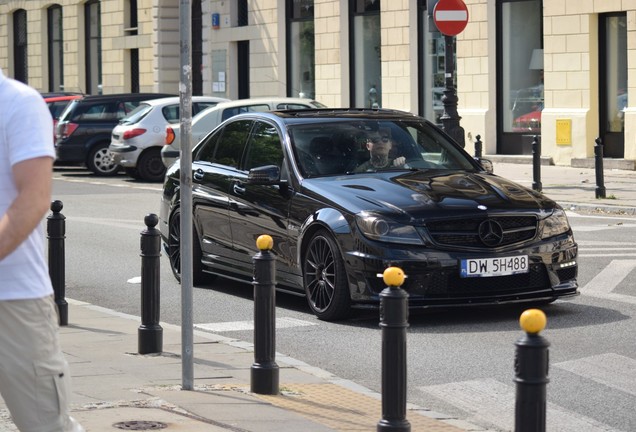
(93, 44)
(520, 68)
(613, 82)
(134, 70)
(365, 48)
(20, 59)
(301, 62)
(197, 48)
(242, 13)
(132, 19)
(55, 48)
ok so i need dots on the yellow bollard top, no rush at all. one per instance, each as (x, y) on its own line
(393, 276)
(264, 242)
(532, 321)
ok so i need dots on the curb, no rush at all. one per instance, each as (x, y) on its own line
(299, 365)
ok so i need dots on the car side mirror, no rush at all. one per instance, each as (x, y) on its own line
(264, 175)
(486, 164)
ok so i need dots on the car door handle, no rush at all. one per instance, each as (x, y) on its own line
(238, 189)
(198, 175)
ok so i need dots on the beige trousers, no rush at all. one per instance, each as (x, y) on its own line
(34, 375)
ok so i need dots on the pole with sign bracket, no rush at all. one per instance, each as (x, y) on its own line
(451, 18)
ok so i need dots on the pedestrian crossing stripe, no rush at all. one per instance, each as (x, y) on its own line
(281, 323)
(609, 369)
(492, 404)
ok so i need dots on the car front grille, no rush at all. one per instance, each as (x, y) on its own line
(452, 285)
(472, 232)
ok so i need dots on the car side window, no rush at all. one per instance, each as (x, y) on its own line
(226, 146)
(264, 147)
(291, 106)
(231, 112)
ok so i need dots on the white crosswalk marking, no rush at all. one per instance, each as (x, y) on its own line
(492, 402)
(610, 369)
(602, 285)
(249, 325)
(609, 277)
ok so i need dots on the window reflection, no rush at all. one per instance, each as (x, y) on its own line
(366, 49)
(302, 49)
(522, 66)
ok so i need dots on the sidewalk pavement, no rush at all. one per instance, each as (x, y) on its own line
(114, 385)
(574, 188)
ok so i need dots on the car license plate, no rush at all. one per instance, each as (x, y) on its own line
(489, 267)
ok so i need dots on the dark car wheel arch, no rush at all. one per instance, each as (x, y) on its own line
(325, 278)
(173, 245)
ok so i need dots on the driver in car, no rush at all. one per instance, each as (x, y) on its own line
(379, 144)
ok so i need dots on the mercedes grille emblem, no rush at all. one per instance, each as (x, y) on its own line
(490, 233)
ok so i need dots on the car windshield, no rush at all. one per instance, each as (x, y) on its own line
(359, 146)
(136, 115)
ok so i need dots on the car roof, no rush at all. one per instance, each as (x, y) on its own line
(326, 114)
(62, 98)
(254, 101)
(274, 100)
(136, 96)
(176, 99)
(46, 95)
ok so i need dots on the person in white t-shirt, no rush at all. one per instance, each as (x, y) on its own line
(34, 375)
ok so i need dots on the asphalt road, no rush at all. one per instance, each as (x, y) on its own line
(460, 362)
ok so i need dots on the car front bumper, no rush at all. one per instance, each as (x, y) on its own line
(433, 276)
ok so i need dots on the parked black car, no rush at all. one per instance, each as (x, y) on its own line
(462, 235)
(83, 132)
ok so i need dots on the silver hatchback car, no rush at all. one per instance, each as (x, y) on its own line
(210, 118)
(137, 140)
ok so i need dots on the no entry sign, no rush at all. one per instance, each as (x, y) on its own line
(450, 16)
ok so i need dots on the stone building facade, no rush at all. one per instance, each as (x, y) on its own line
(556, 69)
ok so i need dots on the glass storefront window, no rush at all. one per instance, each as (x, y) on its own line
(366, 47)
(522, 62)
(301, 43)
(615, 73)
(55, 48)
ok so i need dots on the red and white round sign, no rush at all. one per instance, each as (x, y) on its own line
(450, 16)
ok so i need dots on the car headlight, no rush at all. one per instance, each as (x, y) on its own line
(555, 224)
(381, 228)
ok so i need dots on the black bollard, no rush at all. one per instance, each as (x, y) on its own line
(531, 373)
(394, 309)
(150, 333)
(478, 147)
(264, 371)
(598, 167)
(536, 164)
(56, 233)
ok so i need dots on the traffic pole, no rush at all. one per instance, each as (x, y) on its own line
(598, 169)
(150, 333)
(264, 370)
(56, 233)
(531, 373)
(536, 164)
(394, 310)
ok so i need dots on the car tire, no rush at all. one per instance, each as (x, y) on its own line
(174, 251)
(132, 172)
(150, 166)
(325, 279)
(100, 161)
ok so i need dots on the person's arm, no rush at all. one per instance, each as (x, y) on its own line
(33, 180)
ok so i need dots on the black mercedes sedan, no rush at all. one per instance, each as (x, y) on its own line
(346, 193)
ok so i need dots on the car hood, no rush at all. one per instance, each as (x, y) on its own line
(422, 194)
